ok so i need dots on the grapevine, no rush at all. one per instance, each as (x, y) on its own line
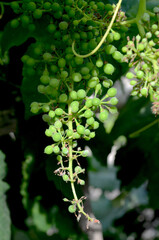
(76, 70)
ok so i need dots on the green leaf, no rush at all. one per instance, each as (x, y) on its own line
(13, 37)
(5, 222)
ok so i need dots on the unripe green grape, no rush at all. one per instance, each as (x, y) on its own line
(14, 23)
(63, 98)
(88, 113)
(99, 63)
(146, 17)
(46, 118)
(82, 182)
(93, 82)
(141, 47)
(58, 124)
(48, 149)
(46, 108)
(113, 101)
(71, 13)
(103, 115)
(69, 132)
(88, 103)
(95, 72)
(116, 36)
(56, 150)
(83, 35)
(107, 83)
(144, 92)
(76, 135)
(87, 132)
(117, 56)
(34, 107)
(76, 22)
(81, 94)
(65, 177)
(59, 158)
(51, 28)
(24, 58)
(148, 34)
(84, 70)
(64, 74)
(85, 153)
(48, 133)
(112, 92)
(53, 68)
(51, 114)
(92, 44)
(55, 7)
(95, 125)
(72, 208)
(92, 135)
(110, 37)
(41, 88)
(80, 129)
(96, 102)
(75, 106)
(61, 62)
(65, 151)
(31, 27)
(58, 111)
(78, 60)
(90, 121)
(31, 6)
(130, 75)
(140, 74)
(63, 25)
(109, 49)
(73, 95)
(56, 137)
(133, 82)
(58, 14)
(47, 56)
(77, 77)
(54, 82)
(44, 79)
(52, 128)
(37, 14)
(69, 2)
(124, 49)
(47, 5)
(14, 5)
(152, 43)
(109, 69)
(78, 169)
(30, 62)
(154, 27)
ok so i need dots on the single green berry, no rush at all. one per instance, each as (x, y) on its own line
(65, 177)
(72, 208)
(58, 111)
(80, 129)
(96, 102)
(56, 137)
(103, 115)
(48, 149)
(112, 92)
(109, 69)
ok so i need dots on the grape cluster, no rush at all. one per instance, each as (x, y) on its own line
(76, 88)
(143, 54)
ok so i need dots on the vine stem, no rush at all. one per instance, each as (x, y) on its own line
(103, 38)
(135, 134)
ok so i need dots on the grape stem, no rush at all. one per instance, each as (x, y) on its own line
(103, 38)
(70, 168)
